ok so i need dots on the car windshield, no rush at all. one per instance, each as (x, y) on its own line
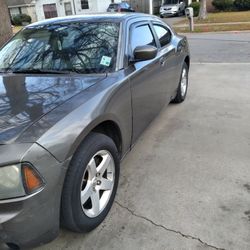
(114, 5)
(171, 2)
(76, 47)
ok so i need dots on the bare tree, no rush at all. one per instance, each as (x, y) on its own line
(5, 25)
(203, 9)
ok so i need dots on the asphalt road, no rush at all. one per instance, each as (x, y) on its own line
(172, 20)
(186, 183)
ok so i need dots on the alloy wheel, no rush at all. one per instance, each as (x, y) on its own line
(184, 81)
(98, 183)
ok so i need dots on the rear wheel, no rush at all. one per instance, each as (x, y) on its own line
(183, 85)
(91, 184)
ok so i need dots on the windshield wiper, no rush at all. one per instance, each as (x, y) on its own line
(38, 71)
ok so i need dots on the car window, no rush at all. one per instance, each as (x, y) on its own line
(126, 5)
(171, 2)
(140, 36)
(78, 47)
(163, 34)
(113, 6)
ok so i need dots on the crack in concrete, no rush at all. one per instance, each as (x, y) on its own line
(167, 229)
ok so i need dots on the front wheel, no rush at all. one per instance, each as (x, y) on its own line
(183, 85)
(91, 183)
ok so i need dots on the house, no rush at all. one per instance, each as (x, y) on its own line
(22, 7)
(53, 8)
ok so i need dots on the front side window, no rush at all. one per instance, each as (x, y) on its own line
(163, 34)
(77, 47)
(141, 36)
(85, 4)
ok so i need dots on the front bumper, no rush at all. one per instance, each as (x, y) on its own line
(168, 12)
(33, 220)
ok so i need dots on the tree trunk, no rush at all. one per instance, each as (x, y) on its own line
(5, 25)
(203, 10)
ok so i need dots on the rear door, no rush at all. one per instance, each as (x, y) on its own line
(167, 51)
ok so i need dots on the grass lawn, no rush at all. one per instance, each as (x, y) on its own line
(216, 28)
(224, 17)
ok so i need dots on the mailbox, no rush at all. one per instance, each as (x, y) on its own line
(189, 12)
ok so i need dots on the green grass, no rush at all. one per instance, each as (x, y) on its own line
(15, 29)
(223, 17)
(216, 28)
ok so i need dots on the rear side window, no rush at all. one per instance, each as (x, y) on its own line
(142, 35)
(163, 34)
(125, 5)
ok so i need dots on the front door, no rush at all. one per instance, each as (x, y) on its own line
(149, 92)
(68, 8)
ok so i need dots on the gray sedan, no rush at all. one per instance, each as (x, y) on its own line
(75, 95)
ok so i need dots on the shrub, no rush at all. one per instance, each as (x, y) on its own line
(223, 5)
(20, 19)
(196, 7)
(242, 4)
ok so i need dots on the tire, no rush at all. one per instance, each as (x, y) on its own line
(182, 90)
(161, 16)
(93, 174)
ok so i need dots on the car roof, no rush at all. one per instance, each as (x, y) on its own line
(112, 17)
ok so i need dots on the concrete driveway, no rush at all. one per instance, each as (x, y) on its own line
(186, 183)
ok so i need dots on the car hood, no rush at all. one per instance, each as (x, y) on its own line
(170, 5)
(25, 99)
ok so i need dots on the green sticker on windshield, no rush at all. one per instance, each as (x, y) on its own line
(106, 61)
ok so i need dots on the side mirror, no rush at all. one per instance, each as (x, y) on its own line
(143, 53)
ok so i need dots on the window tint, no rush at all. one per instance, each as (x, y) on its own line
(142, 35)
(80, 47)
(163, 34)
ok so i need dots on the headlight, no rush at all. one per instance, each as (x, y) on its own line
(18, 180)
(11, 184)
(175, 8)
